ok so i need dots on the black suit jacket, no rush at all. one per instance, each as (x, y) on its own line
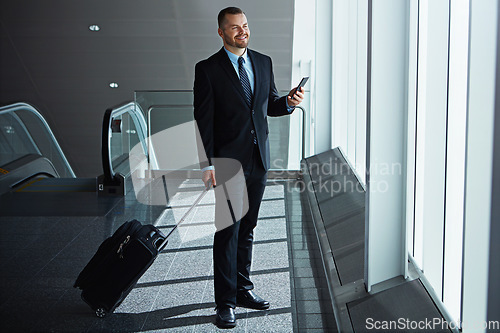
(224, 119)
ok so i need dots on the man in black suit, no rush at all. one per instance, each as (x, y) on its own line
(234, 92)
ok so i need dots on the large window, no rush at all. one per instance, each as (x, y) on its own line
(448, 95)
(440, 146)
(349, 66)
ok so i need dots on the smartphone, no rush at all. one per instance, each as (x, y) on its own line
(302, 83)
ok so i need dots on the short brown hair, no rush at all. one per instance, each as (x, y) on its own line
(229, 10)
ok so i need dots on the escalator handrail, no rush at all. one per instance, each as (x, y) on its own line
(30, 138)
(137, 116)
(28, 107)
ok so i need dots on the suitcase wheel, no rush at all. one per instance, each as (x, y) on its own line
(101, 312)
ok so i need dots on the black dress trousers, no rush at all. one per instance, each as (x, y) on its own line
(233, 245)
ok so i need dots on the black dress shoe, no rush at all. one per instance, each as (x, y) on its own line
(248, 299)
(225, 317)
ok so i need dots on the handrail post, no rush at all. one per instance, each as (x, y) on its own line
(303, 130)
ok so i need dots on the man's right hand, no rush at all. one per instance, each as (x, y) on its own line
(209, 178)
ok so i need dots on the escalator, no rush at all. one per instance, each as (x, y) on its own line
(36, 178)
(123, 128)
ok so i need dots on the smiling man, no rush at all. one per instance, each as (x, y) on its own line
(234, 92)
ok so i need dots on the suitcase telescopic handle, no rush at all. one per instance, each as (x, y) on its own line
(183, 218)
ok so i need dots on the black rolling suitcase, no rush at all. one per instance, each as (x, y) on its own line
(120, 261)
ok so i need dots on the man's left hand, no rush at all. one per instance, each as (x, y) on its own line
(295, 97)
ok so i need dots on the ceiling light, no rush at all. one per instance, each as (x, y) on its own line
(94, 27)
(113, 85)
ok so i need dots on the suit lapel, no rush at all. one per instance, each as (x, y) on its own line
(229, 69)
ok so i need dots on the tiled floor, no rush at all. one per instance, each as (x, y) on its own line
(41, 257)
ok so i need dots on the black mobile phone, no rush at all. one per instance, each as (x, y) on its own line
(302, 83)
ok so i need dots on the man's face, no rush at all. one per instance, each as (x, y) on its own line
(235, 31)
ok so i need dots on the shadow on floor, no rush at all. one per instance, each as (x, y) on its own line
(168, 318)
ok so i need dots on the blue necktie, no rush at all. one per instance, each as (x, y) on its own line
(245, 82)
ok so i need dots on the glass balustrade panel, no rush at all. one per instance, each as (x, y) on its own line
(168, 111)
